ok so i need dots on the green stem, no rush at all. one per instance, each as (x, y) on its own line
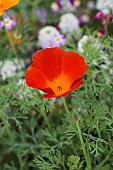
(42, 111)
(80, 136)
(45, 118)
(65, 105)
(83, 146)
(11, 43)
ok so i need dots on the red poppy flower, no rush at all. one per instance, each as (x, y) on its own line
(56, 72)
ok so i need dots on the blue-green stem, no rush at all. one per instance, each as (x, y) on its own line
(80, 136)
(11, 43)
(42, 111)
(44, 115)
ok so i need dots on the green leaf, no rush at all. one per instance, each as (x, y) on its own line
(74, 162)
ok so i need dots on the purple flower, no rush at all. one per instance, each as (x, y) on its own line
(75, 3)
(1, 24)
(59, 3)
(101, 33)
(60, 39)
(71, 1)
(55, 7)
(56, 41)
(8, 22)
(51, 43)
(83, 19)
(42, 14)
(81, 22)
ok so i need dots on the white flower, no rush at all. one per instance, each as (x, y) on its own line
(90, 4)
(88, 39)
(67, 6)
(46, 35)
(106, 62)
(8, 68)
(69, 23)
(85, 18)
(104, 4)
(21, 82)
(94, 42)
(81, 43)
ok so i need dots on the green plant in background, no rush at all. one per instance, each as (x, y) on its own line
(25, 134)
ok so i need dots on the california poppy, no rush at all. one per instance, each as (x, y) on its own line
(56, 72)
(6, 4)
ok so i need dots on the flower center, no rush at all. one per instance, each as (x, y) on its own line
(59, 87)
(54, 6)
(58, 39)
(7, 21)
(76, 2)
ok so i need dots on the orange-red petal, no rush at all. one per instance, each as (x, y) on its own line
(48, 61)
(48, 90)
(49, 96)
(8, 3)
(1, 12)
(35, 78)
(73, 67)
(76, 84)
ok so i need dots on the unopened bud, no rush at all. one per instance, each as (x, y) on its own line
(75, 116)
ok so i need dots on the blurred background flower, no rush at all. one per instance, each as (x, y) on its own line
(50, 37)
(9, 68)
(55, 7)
(65, 5)
(91, 40)
(69, 23)
(104, 5)
(8, 22)
(42, 15)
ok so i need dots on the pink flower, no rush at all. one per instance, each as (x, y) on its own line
(99, 15)
(56, 41)
(8, 22)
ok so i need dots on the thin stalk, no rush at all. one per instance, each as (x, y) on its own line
(43, 114)
(42, 111)
(80, 136)
(45, 118)
(65, 105)
(83, 146)
(11, 43)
